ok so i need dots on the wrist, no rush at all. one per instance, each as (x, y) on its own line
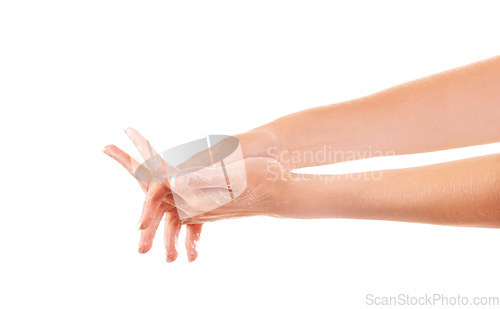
(318, 196)
(292, 195)
(259, 142)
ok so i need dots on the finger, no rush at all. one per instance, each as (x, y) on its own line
(135, 169)
(193, 232)
(172, 229)
(129, 163)
(154, 198)
(152, 159)
(148, 235)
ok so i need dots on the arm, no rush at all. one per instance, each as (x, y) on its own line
(456, 108)
(459, 193)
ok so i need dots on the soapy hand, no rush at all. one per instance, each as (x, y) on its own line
(200, 196)
(248, 187)
(149, 178)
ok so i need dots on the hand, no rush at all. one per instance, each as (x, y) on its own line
(166, 206)
(252, 143)
(256, 186)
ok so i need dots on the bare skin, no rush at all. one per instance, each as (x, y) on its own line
(453, 109)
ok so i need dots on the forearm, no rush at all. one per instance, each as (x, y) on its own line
(460, 193)
(456, 108)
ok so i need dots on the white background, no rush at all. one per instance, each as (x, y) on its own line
(74, 74)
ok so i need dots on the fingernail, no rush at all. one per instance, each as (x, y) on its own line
(128, 132)
(110, 153)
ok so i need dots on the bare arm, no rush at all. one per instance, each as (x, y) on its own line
(459, 193)
(456, 108)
